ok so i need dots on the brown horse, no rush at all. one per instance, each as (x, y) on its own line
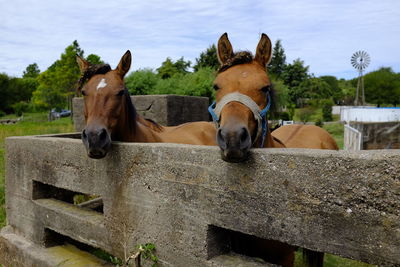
(110, 114)
(242, 101)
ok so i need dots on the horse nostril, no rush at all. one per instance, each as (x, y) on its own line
(103, 134)
(84, 136)
(244, 135)
(220, 135)
(221, 139)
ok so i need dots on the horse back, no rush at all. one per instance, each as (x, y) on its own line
(195, 133)
(305, 136)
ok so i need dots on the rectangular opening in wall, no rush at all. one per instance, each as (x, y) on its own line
(53, 238)
(42, 190)
(222, 241)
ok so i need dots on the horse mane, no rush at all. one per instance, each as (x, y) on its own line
(90, 72)
(131, 112)
(241, 57)
(154, 125)
(133, 116)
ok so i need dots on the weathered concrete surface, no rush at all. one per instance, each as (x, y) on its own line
(168, 110)
(345, 203)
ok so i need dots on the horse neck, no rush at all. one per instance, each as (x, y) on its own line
(270, 141)
(133, 128)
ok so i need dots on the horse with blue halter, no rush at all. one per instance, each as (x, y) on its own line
(243, 98)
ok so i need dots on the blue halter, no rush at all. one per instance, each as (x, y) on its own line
(262, 114)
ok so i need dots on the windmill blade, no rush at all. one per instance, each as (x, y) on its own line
(360, 60)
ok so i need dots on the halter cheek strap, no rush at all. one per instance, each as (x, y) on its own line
(259, 115)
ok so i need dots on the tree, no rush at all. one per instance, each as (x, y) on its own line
(382, 87)
(141, 82)
(32, 71)
(348, 90)
(5, 99)
(169, 68)
(198, 83)
(208, 59)
(315, 88)
(57, 83)
(278, 62)
(182, 66)
(295, 73)
(94, 59)
(337, 93)
(14, 90)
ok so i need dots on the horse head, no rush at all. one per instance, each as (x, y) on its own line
(242, 98)
(106, 104)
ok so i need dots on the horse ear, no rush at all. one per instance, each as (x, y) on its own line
(124, 64)
(263, 51)
(83, 64)
(225, 50)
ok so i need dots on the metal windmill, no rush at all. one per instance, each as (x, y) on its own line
(360, 60)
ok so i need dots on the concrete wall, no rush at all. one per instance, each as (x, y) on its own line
(168, 110)
(384, 135)
(370, 115)
(181, 197)
(336, 110)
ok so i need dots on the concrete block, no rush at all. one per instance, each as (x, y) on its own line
(340, 202)
(167, 110)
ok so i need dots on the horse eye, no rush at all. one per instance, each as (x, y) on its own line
(215, 87)
(120, 93)
(266, 88)
(83, 92)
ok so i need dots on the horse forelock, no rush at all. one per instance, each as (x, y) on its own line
(242, 57)
(90, 72)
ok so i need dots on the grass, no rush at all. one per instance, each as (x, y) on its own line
(337, 131)
(331, 260)
(32, 124)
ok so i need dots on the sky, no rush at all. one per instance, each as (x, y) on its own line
(324, 34)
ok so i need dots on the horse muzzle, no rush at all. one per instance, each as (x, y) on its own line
(235, 143)
(97, 142)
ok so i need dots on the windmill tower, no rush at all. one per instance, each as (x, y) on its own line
(360, 60)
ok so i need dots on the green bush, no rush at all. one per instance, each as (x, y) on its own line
(282, 116)
(197, 83)
(20, 108)
(305, 114)
(319, 122)
(326, 109)
(141, 82)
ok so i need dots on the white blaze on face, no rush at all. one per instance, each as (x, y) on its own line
(101, 84)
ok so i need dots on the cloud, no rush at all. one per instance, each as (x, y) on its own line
(322, 33)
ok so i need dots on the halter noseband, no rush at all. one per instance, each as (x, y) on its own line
(259, 115)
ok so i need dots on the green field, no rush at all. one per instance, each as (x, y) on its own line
(336, 130)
